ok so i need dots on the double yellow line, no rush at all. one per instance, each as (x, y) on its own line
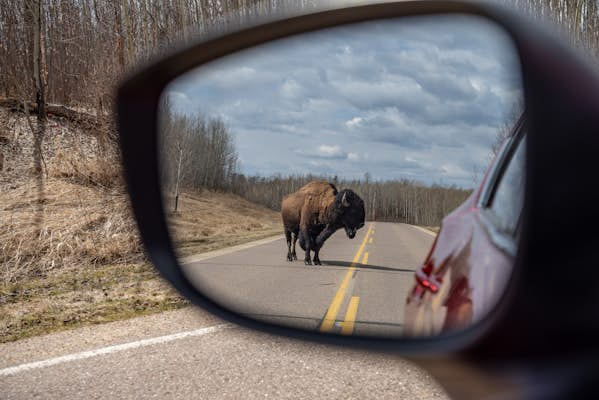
(331, 316)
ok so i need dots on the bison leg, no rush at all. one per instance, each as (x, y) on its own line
(293, 253)
(305, 238)
(288, 238)
(320, 239)
(315, 258)
(304, 228)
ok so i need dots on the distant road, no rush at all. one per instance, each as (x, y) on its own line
(360, 288)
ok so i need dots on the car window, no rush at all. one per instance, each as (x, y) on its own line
(508, 195)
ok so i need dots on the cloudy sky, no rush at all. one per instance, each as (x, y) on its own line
(416, 98)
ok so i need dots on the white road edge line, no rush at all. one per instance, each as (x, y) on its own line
(111, 349)
(227, 250)
(424, 230)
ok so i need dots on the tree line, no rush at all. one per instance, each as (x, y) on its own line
(394, 200)
(577, 19)
(83, 47)
(195, 152)
(74, 53)
(198, 153)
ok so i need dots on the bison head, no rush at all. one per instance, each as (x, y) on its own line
(350, 209)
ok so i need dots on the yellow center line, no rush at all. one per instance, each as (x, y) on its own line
(350, 316)
(365, 258)
(331, 315)
(370, 241)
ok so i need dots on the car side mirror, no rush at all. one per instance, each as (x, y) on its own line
(186, 121)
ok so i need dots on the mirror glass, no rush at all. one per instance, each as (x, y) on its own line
(359, 180)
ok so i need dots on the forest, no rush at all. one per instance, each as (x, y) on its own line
(76, 51)
(198, 153)
(66, 57)
(400, 200)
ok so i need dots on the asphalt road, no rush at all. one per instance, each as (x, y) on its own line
(360, 289)
(112, 361)
(191, 354)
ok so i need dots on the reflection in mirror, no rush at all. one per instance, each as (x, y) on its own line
(305, 180)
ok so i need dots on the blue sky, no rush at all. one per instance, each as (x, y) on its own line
(416, 98)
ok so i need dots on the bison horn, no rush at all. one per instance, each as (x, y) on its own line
(344, 201)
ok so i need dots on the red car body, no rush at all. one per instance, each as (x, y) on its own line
(470, 261)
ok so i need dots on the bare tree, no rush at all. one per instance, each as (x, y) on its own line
(196, 152)
(76, 51)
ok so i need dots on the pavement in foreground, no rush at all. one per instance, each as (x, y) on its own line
(189, 353)
(227, 363)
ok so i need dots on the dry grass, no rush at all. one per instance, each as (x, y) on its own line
(82, 296)
(206, 221)
(74, 213)
(88, 170)
(434, 229)
(72, 225)
(69, 250)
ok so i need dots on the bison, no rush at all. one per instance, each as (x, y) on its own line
(315, 212)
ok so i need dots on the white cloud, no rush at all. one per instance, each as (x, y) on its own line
(329, 151)
(422, 99)
(354, 122)
(290, 88)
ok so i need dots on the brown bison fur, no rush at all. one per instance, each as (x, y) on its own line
(315, 212)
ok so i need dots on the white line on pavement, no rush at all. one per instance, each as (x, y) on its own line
(424, 230)
(111, 349)
(233, 249)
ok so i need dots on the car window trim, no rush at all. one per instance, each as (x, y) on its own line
(506, 152)
(503, 240)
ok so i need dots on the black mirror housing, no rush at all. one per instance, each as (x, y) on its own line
(562, 113)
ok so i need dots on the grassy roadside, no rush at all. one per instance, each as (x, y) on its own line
(69, 297)
(434, 229)
(207, 221)
(65, 300)
(69, 250)
(98, 280)
(87, 296)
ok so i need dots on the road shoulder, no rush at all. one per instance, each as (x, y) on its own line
(86, 338)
